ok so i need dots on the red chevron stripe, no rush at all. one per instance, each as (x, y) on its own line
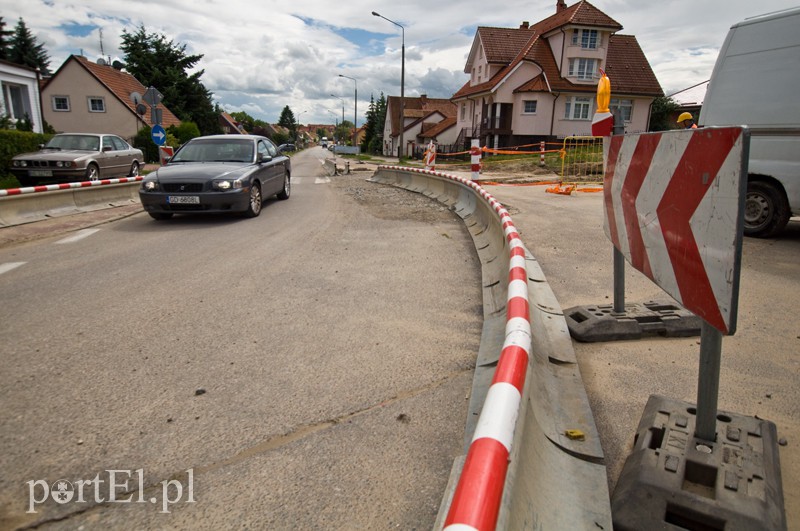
(634, 178)
(694, 175)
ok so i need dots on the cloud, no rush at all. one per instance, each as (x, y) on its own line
(262, 56)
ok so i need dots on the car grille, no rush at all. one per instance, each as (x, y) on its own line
(41, 164)
(179, 207)
(182, 187)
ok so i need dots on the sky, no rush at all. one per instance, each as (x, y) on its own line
(261, 55)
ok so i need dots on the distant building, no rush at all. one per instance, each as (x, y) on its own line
(421, 115)
(20, 94)
(87, 97)
(689, 100)
(539, 81)
(230, 126)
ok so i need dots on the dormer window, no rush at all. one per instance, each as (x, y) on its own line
(586, 38)
(583, 69)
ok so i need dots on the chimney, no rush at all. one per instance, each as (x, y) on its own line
(423, 98)
(524, 25)
(561, 5)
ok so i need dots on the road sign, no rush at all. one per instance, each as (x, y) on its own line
(158, 135)
(152, 96)
(673, 204)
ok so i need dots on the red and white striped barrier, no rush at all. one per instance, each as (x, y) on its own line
(66, 186)
(476, 502)
(475, 158)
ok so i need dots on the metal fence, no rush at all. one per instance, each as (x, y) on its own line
(582, 159)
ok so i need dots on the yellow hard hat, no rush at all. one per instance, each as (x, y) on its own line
(685, 116)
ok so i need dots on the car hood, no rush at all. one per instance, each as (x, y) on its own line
(56, 154)
(201, 171)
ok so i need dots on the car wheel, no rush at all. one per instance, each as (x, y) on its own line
(287, 187)
(134, 170)
(92, 173)
(766, 211)
(160, 215)
(254, 205)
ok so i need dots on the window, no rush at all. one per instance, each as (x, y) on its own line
(584, 69)
(97, 104)
(577, 108)
(119, 144)
(16, 101)
(530, 107)
(625, 108)
(108, 143)
(463, 111)
(61, 103)
(587, 38)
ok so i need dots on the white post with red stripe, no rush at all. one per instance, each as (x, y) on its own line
(541, 151)
(430, 156)
(475, 159)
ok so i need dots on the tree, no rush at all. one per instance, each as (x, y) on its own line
(5, 40)
(156, 61)
(344, 131)
(661, 112)
(248, 122)
(287, 120)
(26, 50)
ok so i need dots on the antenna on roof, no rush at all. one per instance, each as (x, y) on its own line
(102, 53)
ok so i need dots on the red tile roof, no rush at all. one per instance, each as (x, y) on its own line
(122, 84)
(631, 72)
(419, 108)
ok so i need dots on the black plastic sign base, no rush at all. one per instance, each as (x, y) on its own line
(591, 324)
(675, 481)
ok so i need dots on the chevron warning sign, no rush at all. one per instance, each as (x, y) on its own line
(673, 204)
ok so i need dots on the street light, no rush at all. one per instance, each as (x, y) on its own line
(337, 97)
(355, 111)
(402, 81)
(297, 124)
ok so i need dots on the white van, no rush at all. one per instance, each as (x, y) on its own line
(756, 82)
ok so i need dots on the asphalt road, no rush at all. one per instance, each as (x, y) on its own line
(309, 368)
(334, 340)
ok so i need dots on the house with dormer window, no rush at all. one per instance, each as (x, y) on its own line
(539, 82)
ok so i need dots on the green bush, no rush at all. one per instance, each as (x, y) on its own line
(13, 143)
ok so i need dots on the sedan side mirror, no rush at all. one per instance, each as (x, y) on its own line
(264, 158)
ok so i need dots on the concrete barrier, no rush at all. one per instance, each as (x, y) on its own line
(554, 476)
(27, 205)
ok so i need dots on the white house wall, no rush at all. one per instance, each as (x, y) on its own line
(27, 80)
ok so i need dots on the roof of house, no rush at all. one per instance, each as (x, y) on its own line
(439, 128)
(418, 108)
(626, 64)
(122, 85)
(691, 96)
(233, 124)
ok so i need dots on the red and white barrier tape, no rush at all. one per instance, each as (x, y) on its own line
(476, 502)
(66, 186)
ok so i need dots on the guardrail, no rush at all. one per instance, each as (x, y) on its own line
(35, 203)
(532, 452)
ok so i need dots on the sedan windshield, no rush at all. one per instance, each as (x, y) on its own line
(79, 142)
(215, 150)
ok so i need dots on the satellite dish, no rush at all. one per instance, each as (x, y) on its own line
(141, 109)
(136, 98)
(117, 64)
(101, 61)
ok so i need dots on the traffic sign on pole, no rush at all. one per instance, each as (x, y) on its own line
(158, 135)
(674, 204)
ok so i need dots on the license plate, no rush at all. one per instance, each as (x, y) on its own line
(40, 173)
(183, 199)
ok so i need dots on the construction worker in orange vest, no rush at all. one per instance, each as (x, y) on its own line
(686, 119)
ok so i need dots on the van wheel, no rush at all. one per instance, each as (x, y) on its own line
(766, 210)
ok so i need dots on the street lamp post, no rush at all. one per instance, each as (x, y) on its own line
(297, 122)
(402, 81)
(342, 100)
(355, 110)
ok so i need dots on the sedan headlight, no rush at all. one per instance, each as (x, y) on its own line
(225, 184)
(64, 164)
(150, 186)
(20, 163)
